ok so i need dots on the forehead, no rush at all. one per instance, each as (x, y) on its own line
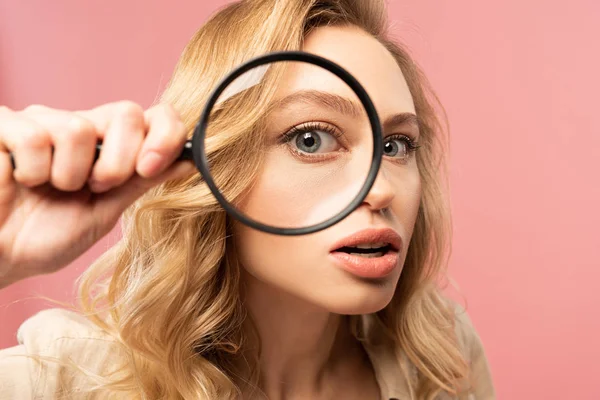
(361, 55)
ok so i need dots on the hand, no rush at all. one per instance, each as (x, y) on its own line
(58, 201)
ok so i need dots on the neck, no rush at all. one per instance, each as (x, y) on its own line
(301, 346)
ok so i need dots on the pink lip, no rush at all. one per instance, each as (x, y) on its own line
(376, 267)
(386, 235)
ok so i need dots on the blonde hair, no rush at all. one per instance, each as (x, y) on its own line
(168, 291)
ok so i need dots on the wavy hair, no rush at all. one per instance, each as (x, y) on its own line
(169, 291)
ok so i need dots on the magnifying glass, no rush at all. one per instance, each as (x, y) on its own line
(301, 136)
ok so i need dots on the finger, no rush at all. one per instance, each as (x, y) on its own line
(6, 169)
(111, 204)
(31, 146)
(164, 141)
(122, 141)
(74, 139)
(7, 186)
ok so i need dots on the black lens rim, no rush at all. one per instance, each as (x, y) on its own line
(200, 157)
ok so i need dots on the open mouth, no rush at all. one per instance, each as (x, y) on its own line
(367, 250)
(370, 253)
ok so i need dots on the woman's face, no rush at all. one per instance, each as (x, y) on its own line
(327, 268)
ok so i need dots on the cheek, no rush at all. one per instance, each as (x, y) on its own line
(405, 205)
(290, 193)
(285, 262)
(276, 197)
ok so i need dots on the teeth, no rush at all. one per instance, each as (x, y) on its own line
(368, 255)
(371, 245)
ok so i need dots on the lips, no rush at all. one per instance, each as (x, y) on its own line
(371, 253)
(370, 237)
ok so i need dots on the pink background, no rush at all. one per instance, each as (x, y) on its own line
(519, 82)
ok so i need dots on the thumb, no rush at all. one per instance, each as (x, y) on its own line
(114, 202)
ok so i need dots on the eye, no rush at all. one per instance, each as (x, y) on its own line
(399, 147)
(315, 141)
(312, 140)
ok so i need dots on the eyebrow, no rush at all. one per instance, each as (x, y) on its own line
(343, 105)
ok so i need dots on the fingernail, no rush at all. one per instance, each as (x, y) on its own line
(150, 164)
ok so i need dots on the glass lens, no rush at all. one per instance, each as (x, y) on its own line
(289, 144)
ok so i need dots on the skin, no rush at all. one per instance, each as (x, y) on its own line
(58, 203)
(296, 295)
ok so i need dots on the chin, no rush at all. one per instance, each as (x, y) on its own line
(360, 297)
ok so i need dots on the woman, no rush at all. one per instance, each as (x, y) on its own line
(192, 305)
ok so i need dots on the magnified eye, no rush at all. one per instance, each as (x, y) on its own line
(399, 147)
(312, 140)
(315, 141)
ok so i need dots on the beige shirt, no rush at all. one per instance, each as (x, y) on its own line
(69, 336)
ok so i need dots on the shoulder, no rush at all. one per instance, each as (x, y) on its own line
(396, 373)
(56, 323)
(467, 336)
(63, 334)
(52, 344)
(474, 353)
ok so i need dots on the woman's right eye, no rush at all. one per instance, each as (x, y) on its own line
(312, 141)
(315, 142)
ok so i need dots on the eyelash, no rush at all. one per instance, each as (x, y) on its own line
(309, 127)
(411, 143)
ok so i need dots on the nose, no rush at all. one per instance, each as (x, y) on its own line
(381, 194)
